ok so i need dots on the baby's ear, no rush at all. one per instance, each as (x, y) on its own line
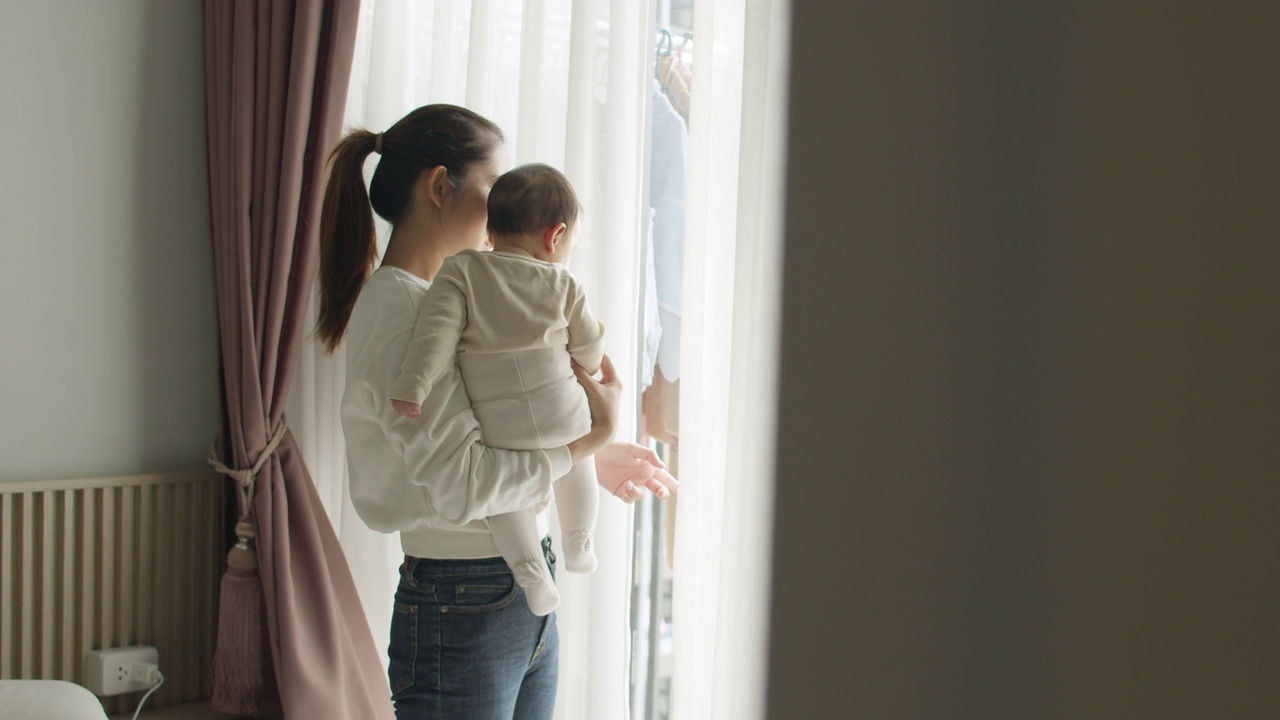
(553, 235)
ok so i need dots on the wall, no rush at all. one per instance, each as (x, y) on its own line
(1028, 445)
(107, 340)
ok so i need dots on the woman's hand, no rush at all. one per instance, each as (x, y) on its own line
(627, 470)
(603, 396)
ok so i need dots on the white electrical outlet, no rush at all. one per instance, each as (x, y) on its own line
(106, 672)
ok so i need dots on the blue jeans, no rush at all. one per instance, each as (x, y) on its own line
(464, 645)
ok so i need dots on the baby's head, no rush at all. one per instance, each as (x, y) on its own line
(534, 209)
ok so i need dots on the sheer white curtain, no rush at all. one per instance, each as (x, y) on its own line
(570, 82)
(729, 346)
(565, 81)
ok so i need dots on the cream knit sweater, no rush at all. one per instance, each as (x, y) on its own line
(431, 477)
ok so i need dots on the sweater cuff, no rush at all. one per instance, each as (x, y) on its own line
(560, 460)
(407, 390)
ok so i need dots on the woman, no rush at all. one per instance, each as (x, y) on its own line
(463, 641)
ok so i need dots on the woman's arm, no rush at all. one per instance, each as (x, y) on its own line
(603, 396)
(443, 451)
(454, 477)
(625, 469)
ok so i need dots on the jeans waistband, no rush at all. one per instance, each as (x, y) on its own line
(475, 566)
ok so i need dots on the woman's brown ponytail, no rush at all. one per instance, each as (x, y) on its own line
(348, 245)
(431, 136)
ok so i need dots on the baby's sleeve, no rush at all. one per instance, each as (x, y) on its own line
(446, 475)
(586, 333)
(441, 318)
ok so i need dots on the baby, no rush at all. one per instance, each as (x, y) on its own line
(512, 319)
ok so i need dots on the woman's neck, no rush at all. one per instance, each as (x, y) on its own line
(416, 248)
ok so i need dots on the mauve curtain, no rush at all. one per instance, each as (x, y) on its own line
(276, 74)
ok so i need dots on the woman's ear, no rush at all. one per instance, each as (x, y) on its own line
(435, 185)
(553, 235)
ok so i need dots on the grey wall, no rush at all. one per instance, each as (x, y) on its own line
(107, 342)
(1029, 452)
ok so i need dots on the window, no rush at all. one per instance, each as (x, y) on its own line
(653, 630)
(593, 87)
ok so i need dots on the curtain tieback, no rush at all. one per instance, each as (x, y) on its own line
(246, 480)
(238, 685)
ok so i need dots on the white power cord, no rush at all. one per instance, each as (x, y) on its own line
(145, 673)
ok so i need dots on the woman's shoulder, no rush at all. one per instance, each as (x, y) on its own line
(388, 302)
(392, 285)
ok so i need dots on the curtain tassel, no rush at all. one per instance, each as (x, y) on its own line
(239, 678)
(239, 658)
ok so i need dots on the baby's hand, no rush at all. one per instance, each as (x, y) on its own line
(404, 408)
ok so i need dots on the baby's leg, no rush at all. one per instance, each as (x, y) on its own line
(576, 502)
(516, 535)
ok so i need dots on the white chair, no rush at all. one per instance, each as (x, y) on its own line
(48, 700)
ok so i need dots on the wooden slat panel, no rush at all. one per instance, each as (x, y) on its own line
(86, 596)
(143, 584)
(184, 506)
(27, 591)
(211, 558)
(163, 582)
(94, 564)
(47, 606)
(67, 582)
(124, 481)
(8, 574)
(107, 576)
(125, 561)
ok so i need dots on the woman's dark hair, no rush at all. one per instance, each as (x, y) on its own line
(431, 136)
(530, 199)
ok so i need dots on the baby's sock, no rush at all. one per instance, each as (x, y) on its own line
(579, 557)
(539, 587)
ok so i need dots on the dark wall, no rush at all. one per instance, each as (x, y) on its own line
(1029, 450)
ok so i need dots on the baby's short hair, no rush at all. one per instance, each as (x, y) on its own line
(530, 199)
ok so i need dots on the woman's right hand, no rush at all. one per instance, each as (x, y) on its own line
(603, 397)
(627, 469)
